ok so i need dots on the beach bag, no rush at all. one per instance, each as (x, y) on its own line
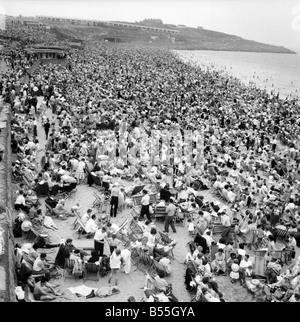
(51, 202)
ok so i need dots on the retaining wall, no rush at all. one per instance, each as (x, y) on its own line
(7, 267)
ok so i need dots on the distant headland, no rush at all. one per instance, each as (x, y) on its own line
(152, 32)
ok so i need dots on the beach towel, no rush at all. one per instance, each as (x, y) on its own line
(49, 223)
(82, 290)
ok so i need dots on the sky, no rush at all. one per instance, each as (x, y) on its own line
(275, 22)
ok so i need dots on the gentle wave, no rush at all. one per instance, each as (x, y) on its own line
(279, 73)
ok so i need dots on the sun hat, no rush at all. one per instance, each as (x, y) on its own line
(235, 268)
(192, 284)
(255, 282)
(198, 279)
(26, 225)
(26, 251)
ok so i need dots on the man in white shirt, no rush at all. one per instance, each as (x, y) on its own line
(113, 227)
(86, 216)
(91, 226)
(40, 266)
(145, 202)
(208, 238)
(231, 195)
(20, 202)
(99, 240)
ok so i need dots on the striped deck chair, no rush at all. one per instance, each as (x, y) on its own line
(81, 229)
(99, 200)
(131, 237)
(120, 233)
(147, 261)
(281, 233)
(159, 267)
(135, 255)
(136, 230)
(166, 240)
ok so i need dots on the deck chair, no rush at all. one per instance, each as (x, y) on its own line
(179, 218)
(120, 233)
(91, 272)
(242, 180)
(69, 192)
(68, 268)
(159, 267)
(160, 212)
(99, 200)
(42, 190)
(77, 216)
(81, 229)
(137, 200)
(136, 230)
(27, 181)
(97, 181)
(85, 244)
(150, 283)
(49, 210)
(131, 237)
(135, 212)
(153, 198)
(166, 240)
(135, 255)
(146, 261)
(217, 228)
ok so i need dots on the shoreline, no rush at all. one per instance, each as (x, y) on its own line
(225, 69)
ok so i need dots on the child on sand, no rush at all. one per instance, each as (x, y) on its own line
(191, 227)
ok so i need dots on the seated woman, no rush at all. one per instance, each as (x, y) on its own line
(78, 263)
(31, 198)
(205, 267)
(166, 263)
(60, 211)
(218, 264)
(38, 220)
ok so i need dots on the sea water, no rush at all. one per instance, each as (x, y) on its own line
(279, 73)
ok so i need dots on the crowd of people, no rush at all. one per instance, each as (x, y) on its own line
(215, 151)
(27, 34)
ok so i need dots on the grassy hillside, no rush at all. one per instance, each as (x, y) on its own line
(187, 38)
